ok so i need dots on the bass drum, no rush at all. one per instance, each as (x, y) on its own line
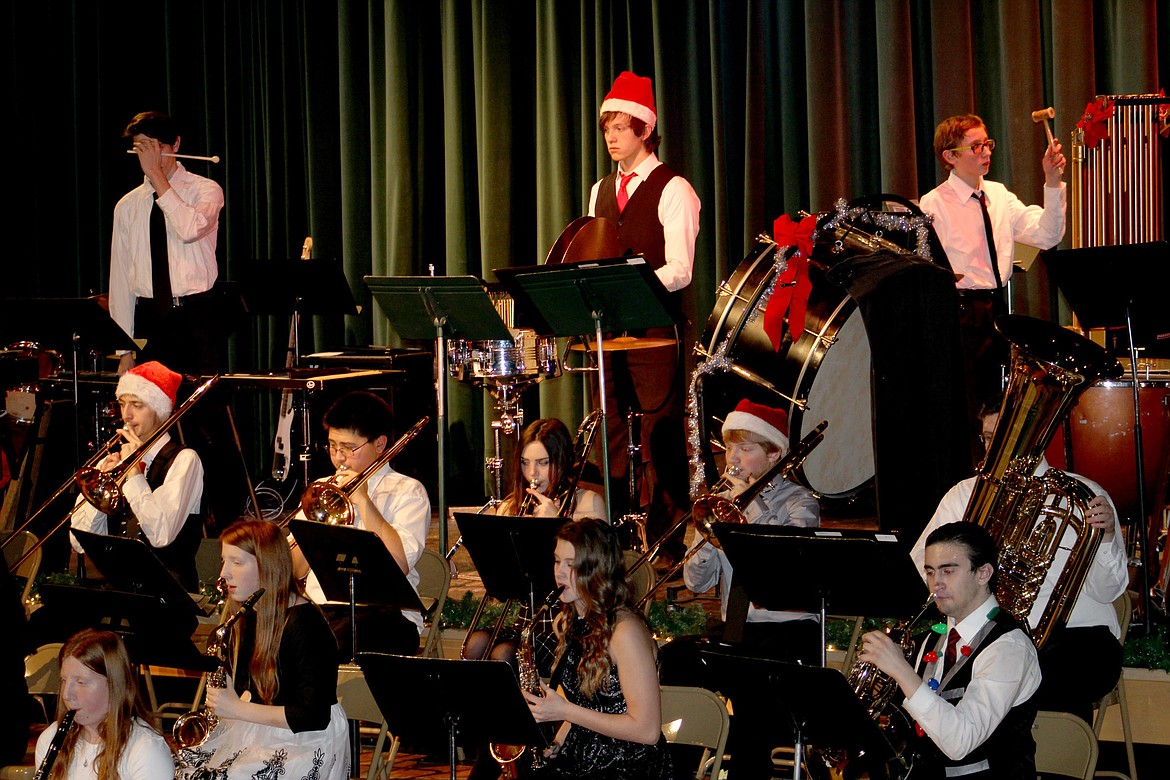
(1097, 441)
(820, 374)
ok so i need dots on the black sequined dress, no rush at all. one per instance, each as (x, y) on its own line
(587, 754)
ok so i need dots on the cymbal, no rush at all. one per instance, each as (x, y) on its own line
(625, 344)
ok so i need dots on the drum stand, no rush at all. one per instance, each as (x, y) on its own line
(637, 542)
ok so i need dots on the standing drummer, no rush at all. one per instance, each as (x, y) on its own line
(968, 210)
(392, 505)
(162, 259)
(657, 216)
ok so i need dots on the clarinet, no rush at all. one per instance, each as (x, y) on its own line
(58, 740)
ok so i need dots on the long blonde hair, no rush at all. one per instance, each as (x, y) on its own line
(265, 541)
(103, 652)
(603, 590)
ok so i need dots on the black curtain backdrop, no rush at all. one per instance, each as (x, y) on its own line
(462, 135)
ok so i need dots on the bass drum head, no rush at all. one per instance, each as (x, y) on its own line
(841, 392)
(822, 374)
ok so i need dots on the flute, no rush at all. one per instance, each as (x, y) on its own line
(213, 158)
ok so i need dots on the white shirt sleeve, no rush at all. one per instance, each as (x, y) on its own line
(678, 211)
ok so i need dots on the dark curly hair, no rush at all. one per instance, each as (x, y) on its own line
(600, 571)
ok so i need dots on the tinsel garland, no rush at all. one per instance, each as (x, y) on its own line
(719, 361)
(919, 225)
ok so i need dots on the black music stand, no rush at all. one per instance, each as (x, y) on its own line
(73, 325)
(1130, 295)
(417, 696)
(296, 288)
(155, 634)
(825, 712)
(129, 565)
(822, 570)
(513, 555)
(576, 299)
(354, 567)
(438, 308)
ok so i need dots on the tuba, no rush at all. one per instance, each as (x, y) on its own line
(1026, 515)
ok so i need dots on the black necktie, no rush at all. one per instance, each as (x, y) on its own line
(160, 269)
(979, 196)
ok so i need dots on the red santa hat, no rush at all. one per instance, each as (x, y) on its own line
(154, 384)
(634, 95)
(765, 421)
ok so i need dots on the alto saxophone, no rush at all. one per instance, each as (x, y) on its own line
(507, 755)
(192, 729)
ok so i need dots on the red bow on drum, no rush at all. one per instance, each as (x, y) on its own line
(792, 286)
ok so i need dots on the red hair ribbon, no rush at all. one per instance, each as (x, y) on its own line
(1095, 121)
(793, 286)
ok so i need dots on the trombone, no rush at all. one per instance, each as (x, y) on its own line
(329, 502)
(710, 508)
(103, 489)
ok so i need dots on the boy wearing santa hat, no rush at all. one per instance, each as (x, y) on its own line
(756, 438)
(164, 491)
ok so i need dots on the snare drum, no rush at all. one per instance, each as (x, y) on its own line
(1100, 443)
(526, 358)
(820, 374)
(21, 400)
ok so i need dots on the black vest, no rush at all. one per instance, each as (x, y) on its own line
(638, 227)
(179, 555)
(1010, 751)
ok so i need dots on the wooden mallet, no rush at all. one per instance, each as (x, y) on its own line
(1042, 116)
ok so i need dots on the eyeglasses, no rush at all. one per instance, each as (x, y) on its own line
(977, 147)
(343, 449)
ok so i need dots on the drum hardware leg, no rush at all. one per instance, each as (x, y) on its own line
(756, 379)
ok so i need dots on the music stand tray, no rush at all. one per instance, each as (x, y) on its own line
(129, 565)
(513, 555)
(568, 299)
(1135, 284)
(413, 303)
(418, 696)
(154, 633)
(55, 322)
(337, 553)
(822, 570)
(282, 287)
(825, 712)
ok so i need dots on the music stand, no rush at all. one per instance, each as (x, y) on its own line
(576, 299)
(354, 567)
(513, 555)
(295, 288)
(155, 634)
(825, 712)
(1130, 295)
(416, 694)
(67, 325)
(129, 565)
(437, 308)
(819, 569)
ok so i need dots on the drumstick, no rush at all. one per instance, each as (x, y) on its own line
(1043, 115)
(214, 158)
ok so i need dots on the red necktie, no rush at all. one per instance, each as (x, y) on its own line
(623, 197)
(952, 649)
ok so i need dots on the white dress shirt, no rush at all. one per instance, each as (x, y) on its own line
(1005, 674)
(403, 503)
(161, 513)
(191, 208)
(678, 212)
(958, 220)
